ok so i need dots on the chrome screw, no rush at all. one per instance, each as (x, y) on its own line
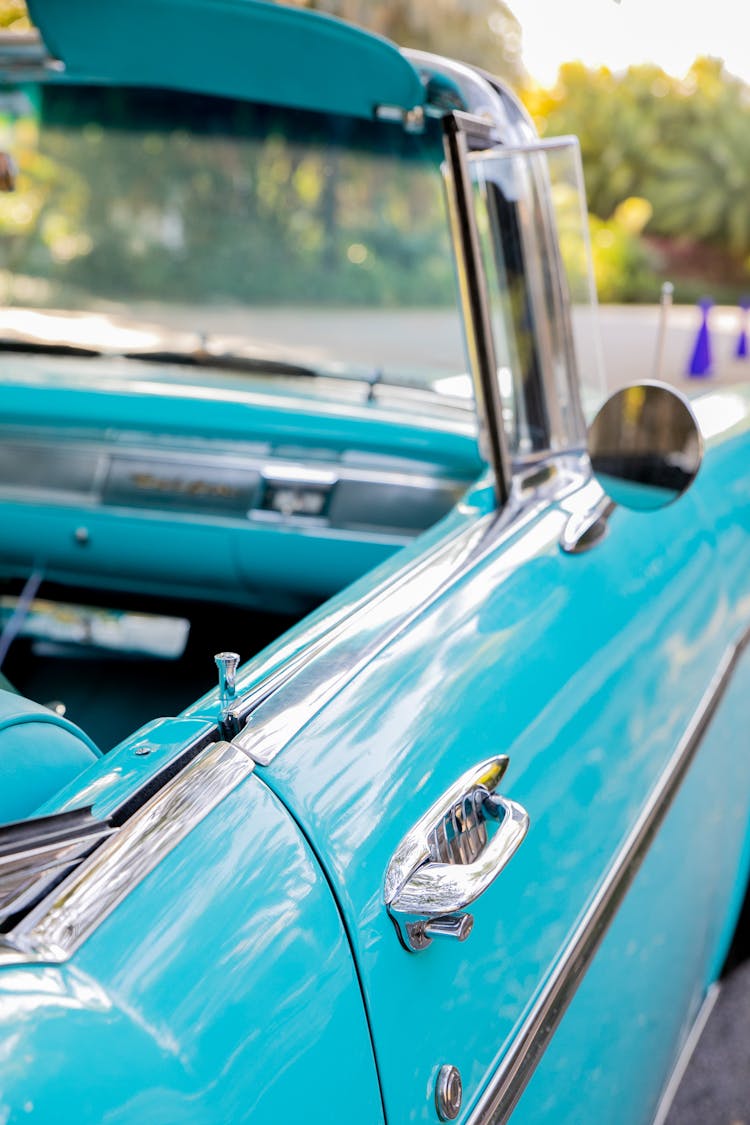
(449, 1093)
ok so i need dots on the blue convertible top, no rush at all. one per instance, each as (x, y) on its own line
(248, 48)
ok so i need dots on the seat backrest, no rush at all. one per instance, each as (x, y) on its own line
(40, 752)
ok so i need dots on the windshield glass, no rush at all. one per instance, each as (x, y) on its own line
(318, 240)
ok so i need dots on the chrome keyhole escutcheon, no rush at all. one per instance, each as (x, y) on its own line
(449, 1093)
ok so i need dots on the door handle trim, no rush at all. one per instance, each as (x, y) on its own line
(445, 888)
(454, 852)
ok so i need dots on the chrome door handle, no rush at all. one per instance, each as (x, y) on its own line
(452, 855)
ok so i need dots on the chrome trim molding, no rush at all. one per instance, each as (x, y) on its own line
(280, 720)
(475, 304)
(481, 96)
(586, 527)
(267, 723)
(36, 854)
(54, 929)
(505, 1088)
(448, 859)
(392, 498)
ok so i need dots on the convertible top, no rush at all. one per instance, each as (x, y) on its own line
(249, 48)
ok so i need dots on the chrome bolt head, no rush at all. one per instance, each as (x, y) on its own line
(449, 1093)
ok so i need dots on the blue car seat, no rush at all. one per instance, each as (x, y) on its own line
(40, 752)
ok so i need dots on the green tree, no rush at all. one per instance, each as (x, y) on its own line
(699, 179)
(683, 145)
(13, 15)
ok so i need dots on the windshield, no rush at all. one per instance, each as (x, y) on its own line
(318, 240)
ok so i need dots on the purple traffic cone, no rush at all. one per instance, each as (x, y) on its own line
(740, 350)
(701, 363)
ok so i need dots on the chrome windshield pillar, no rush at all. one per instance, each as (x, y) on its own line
(472, 285)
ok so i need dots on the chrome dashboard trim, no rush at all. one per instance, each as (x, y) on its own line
(225, 485)
(56, 927)
(23, 56)
(506, 1086)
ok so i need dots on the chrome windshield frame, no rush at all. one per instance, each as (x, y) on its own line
(492, 119)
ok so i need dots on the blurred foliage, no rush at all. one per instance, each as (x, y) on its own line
(235, 210)
(13, 15)
(683, 146)
(624, 268)
(666, 160)
(482, 32)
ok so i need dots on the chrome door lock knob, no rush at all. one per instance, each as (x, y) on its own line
(448, 1093)
(227, 663)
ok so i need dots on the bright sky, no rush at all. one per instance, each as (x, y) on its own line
(668, 32)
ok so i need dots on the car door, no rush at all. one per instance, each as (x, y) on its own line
(593, 673)
(615, 680)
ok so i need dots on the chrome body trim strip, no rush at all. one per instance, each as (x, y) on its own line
(343, 653)
(505, 1088)
(264, 736)
(53, 930)
(688, 1048)
(263, 741)
(44, 850)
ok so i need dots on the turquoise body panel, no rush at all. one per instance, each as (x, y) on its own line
(255, 975)
(222, 989)
(230, 47)
(40, 752)
(164, 400)
(587, 671)
(645, 986)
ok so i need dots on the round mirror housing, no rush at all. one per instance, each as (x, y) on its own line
(645, 446)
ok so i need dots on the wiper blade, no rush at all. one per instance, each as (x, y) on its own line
(199, 357)
(227, 361)
(46, 347)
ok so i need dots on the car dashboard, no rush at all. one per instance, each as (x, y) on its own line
(219, 489)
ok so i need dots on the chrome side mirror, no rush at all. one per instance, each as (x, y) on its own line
(645, 446)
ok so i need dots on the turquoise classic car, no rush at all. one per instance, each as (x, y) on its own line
(295, 363)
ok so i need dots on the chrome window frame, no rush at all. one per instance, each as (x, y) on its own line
(492, 119)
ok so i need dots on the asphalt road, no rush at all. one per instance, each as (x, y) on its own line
(716, 1087)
